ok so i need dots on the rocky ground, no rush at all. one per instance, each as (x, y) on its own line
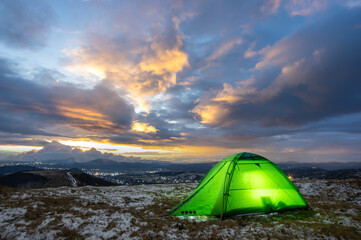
(137, 212)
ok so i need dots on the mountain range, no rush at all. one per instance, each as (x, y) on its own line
(136, 166)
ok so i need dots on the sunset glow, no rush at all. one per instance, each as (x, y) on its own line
(180, 80)
(143, 127)
(103, 147)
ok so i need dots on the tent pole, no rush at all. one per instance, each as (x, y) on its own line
(226, 185)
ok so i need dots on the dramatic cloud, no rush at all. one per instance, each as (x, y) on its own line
(140, 68)
(30, 108)
(310, 82)
(198, 79)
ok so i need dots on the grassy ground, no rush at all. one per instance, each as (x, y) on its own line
(137, 212)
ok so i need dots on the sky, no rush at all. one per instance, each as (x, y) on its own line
(180, 81)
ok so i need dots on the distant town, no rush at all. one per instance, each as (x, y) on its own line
(134, 173)
(116, 175)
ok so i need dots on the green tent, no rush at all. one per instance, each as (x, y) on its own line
(242, 183)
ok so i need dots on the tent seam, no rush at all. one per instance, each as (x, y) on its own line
(280, 187)
(234, 165)
(190, 197)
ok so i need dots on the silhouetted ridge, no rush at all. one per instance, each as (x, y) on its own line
(54, 178)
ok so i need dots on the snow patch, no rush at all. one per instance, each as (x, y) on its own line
(72, 179)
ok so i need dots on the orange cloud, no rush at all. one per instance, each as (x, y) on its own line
(210, 113)
(165, 60)
(215, 110)
(231, 94)
(141, 71)
(143, 127)
(80, 113)
(86, 119)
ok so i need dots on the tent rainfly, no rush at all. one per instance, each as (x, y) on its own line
(243, 183)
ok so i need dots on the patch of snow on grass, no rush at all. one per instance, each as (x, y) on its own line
(137, 212)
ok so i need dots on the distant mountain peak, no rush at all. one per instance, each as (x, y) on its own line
(102, 161)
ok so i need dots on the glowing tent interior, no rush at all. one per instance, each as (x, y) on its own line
(242, 183)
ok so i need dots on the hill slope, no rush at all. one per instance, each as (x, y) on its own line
(4, 170)
(54, 178)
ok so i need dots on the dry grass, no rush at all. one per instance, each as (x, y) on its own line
(330, 218)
